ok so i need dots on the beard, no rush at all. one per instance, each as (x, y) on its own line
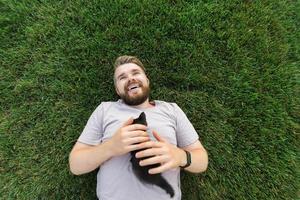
(136, 99)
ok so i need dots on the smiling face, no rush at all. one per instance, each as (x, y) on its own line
(132, 84)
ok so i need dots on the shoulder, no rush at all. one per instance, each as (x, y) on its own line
(167, 105)
(105, 105)
(170, 108)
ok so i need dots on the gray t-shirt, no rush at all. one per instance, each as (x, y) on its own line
(115, 179)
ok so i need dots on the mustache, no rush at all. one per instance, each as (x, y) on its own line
(131, 82)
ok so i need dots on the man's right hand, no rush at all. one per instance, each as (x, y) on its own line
(128, 137)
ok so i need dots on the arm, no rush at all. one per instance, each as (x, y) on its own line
(199, 158)
(85, 158)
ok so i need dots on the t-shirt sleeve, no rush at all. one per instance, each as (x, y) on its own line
(185, 131)
(93, 132)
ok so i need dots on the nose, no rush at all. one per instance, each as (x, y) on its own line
(131, 78)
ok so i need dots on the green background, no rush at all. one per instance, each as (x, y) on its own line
(232, 66)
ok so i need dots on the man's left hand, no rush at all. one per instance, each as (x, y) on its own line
(160, 151)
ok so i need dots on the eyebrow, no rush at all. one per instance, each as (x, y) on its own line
(132, 71)
(136, 70)
(120, 75)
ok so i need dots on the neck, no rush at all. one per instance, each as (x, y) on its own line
(145, 104)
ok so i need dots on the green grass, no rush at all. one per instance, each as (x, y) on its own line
(233, 67)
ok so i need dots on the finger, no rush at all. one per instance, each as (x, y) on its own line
(150, 144)
(149, 152)
(133, 147)
(134, 127)
(137, 133)
(136, 140)
(128, 122)
(160, 169)
(158, 137)
(153, 160)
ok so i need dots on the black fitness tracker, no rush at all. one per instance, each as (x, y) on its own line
(188, 160)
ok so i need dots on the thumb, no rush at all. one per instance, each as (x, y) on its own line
(128, 122)
(158, 137)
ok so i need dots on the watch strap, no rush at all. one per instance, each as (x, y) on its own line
(188, 160)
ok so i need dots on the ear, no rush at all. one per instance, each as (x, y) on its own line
(116, 88)
(117, 91)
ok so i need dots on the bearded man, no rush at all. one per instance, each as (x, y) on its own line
(169, 139)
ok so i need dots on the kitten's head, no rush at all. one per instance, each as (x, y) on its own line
(141, 119)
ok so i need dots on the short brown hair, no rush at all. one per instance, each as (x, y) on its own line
(121, 60)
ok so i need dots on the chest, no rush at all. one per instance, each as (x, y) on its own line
(162, 123)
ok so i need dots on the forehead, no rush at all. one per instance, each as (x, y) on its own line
(127, 68)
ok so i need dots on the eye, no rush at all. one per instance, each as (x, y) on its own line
(121, 77)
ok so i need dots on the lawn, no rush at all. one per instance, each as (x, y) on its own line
(232, 66)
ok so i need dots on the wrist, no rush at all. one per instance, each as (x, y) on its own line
(110, 148)
(183, 160)
(186, 162)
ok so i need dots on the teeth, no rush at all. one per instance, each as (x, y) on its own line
(132, 86)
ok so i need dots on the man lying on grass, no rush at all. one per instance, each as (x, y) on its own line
(117, 135)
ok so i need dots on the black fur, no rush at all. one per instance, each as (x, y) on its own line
(142, 171)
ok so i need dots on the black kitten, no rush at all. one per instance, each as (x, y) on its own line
(142, 171)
